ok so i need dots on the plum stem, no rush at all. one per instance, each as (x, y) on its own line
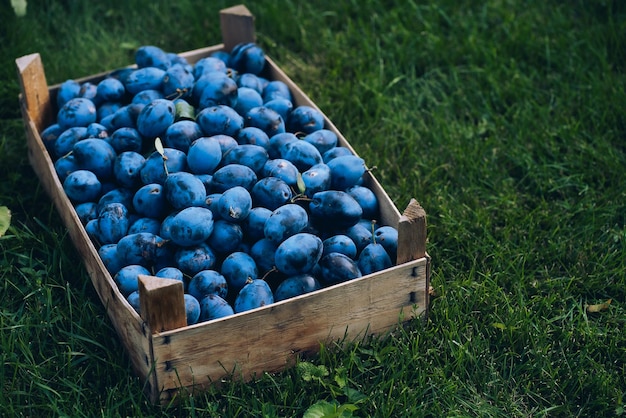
(373, 231)
(270, 271)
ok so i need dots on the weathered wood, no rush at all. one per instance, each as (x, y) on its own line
(125, 320)
(34, 89)
(128, 325)
(412, 233)
(162, 303)
(269, 339)
(237, 24)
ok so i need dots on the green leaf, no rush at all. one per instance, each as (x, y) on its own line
(129, 46)
(321, 409)
(325, 409)
(346, 410)
(185, 111)
(159, 146)
(353, 395)
(300, 183)
(5, 219)
(19, 7)
(340, 380)
(310, 371)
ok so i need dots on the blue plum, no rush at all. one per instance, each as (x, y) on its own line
(82, 186)
(204, 155)
(146, 78)
(233, 175)
(220, 120)
(336, 268)
(152, 56)
(266, 119)
(255, 294)
(281, 168)
(191, 226)
(284, 222)
(153, 171)
(302, 154)
(298, 254)
(95, 155)
(305, 119)
(296, 286)
(235, 204)
(150, 201)
(191, 260)
(181, 134)
(239, 268)
(346, 171)
(373, 258)
(183, 190)
(226, 236)
(208, 282)
(340, 243)
(214, 307)
(78, 111)
(323, 139)
(192, 309)
(271, 193)
(127, 169)
(155, 118)
(143, 248)
(127, 278)
(333, 209)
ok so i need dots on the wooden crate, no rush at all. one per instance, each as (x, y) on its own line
(170, 356)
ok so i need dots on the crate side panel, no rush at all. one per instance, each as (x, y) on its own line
(269, 338)
(126, 322)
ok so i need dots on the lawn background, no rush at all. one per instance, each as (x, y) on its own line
(504, 118)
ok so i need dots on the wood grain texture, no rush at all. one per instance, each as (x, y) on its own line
(127, 323)
(269, 338)
(162, 303)
(237, 24)
(34, 89)
(412, 233)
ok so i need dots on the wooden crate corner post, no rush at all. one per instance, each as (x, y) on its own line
(412, 233)
(34, 87)
(412, 241)
(162, 303)
(237, 25)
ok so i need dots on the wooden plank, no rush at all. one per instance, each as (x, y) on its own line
(237, 24)
(34, 89)
(162, 303)
(412, 233)
(269, 338)
(127, 323)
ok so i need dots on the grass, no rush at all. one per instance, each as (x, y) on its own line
(504, 119)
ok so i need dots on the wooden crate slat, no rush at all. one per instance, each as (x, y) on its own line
(269, 338)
